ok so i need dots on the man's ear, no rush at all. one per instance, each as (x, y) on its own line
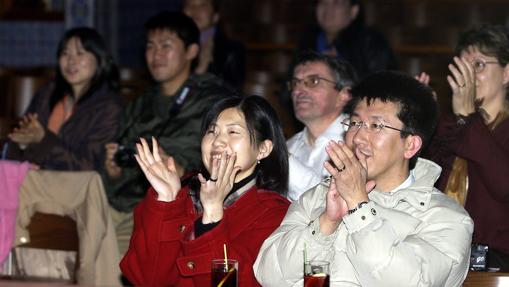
(264, 149)
(192, 51)
(344, 97)
(413, 145)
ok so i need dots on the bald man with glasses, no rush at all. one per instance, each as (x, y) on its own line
(319, 90)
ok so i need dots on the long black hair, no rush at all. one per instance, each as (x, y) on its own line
(263, 124)
(106, 73)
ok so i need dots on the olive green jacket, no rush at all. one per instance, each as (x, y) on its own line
(178, 133)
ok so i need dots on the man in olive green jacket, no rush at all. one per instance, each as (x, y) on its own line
(170, 111)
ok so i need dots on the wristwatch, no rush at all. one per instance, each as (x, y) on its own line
(359, 206)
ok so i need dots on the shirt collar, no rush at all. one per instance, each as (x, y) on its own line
(331, 133)
(408, 182)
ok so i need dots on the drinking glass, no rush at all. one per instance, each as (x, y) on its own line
(316, 273)
(224, 273)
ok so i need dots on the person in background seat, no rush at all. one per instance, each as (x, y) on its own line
(68, 123)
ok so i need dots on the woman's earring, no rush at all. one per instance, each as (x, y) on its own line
(258, 162)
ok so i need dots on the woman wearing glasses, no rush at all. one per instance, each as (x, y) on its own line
(472, 146)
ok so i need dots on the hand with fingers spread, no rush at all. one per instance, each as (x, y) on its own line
(163, 177)
(214, 190)
(462, 82)
(30, 131)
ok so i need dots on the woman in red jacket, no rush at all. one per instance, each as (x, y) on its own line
(238, 199)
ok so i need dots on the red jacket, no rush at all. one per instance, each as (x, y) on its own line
(161, 254)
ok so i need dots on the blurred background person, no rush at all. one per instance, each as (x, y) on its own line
(340, 31)
(320, 89)
(472, 145)
(219, 55)
(68, 122)
(65, 129)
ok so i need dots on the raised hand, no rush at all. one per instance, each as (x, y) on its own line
(349, 174)
(424, 79)
(163, 178)
(214, 190)
(349, 185)
(30, 131)
(336, 206)
(462, 82)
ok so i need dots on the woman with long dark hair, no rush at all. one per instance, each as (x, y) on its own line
(237, 200)
(70, 120)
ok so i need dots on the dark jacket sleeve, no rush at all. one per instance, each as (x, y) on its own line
(80, 142)
(473, 141)
(489, 152)
(229, 60)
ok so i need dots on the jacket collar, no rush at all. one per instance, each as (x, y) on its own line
(418, 194)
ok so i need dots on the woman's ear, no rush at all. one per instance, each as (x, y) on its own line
(413, 144)
(264, 149)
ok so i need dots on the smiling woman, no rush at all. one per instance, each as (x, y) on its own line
(70, 120)
(237, 200)
(471, 145)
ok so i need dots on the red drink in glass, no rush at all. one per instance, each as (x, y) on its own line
(316, 274)
(316, 280)
(224, 273)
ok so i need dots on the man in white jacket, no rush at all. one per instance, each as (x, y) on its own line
(378, 220)
(320, 89)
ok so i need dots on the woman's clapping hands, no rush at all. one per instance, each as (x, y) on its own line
(162, 176)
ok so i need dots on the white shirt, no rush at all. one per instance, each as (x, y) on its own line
(306, 161)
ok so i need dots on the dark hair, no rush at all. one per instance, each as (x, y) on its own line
(106, 73)
(418, 111)
(176, 22)
(491, 40)
(344, 74)
(263, 124)
(359, 21)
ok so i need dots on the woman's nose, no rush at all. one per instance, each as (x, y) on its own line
(219, 140)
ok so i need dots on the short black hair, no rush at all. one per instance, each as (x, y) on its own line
(176, 22)
(343, 72)
(263, 124)
(418, 110)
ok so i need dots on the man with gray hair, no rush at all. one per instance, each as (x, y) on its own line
(320, 89)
